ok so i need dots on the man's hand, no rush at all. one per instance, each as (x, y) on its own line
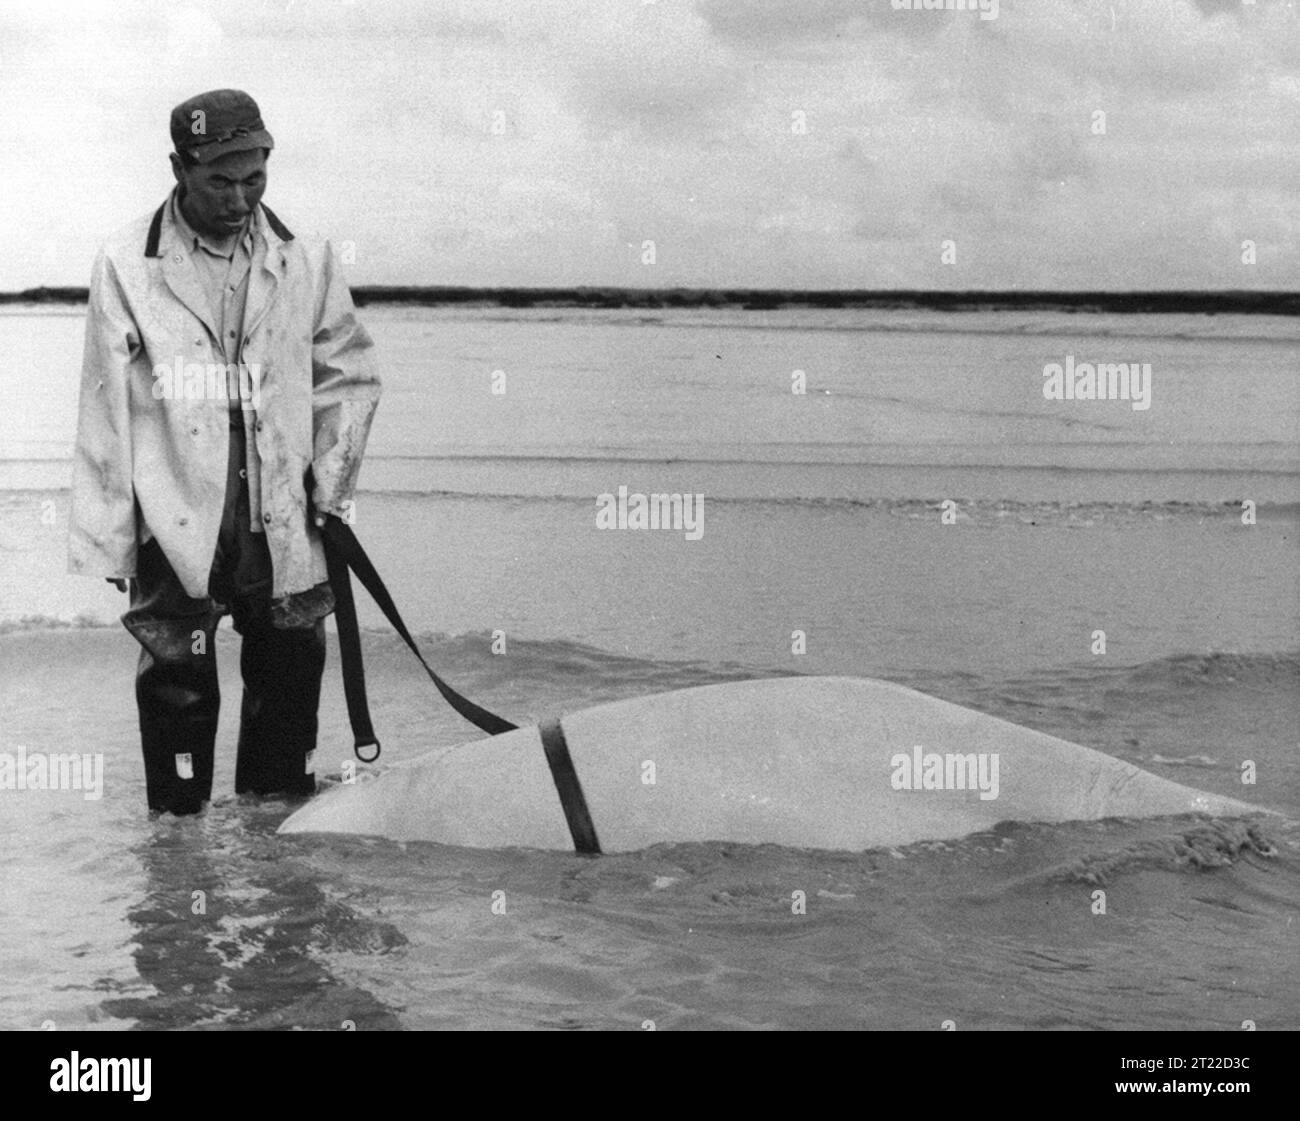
(118, 581)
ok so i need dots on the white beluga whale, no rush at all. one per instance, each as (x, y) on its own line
(810, 762)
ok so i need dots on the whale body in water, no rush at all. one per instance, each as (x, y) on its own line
(811, 762)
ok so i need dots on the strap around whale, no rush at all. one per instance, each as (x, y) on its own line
(581, 828)
(343, 552)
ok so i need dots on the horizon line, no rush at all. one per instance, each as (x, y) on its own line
(1165, 300)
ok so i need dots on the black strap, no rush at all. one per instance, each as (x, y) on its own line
(354, 670)
(155, 231)
(344, 551)
(281, 230)
(581, 828)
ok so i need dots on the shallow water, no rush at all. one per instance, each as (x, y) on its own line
(1069, 520)
(993, 931)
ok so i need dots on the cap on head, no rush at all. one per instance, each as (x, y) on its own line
(212, 124)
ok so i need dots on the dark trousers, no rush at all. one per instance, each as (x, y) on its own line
(176, 682)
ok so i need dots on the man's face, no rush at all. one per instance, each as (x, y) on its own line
(218, 197)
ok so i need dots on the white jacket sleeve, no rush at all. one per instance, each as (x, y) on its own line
(102, 530)
(345, 392)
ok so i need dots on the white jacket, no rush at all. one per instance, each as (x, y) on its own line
(166, 457)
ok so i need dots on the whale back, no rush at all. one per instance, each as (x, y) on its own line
(813, 762)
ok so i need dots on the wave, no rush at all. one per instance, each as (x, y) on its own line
(1101, 853)
(1175, 671)
(552, 659)
(1114, 708)
(1074, 514)
(1189, 326)
(1205, 847)
(1219, 668)
(52, 623)
(1285, 335)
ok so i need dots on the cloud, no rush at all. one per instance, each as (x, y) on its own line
(758, 21)
(652, 68)
(823, 143)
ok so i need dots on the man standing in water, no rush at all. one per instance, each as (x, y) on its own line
(223, 360)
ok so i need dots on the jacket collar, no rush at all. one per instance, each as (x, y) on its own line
(164, 241)
(265, 221)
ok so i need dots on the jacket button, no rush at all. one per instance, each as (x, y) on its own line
(266, 518)
(243, 473)
(177, 258)
(194, 431)
(259, 426)
(184, 521)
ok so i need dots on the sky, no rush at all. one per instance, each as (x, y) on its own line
(707, 143)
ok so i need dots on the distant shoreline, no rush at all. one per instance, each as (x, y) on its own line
(772, 299)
